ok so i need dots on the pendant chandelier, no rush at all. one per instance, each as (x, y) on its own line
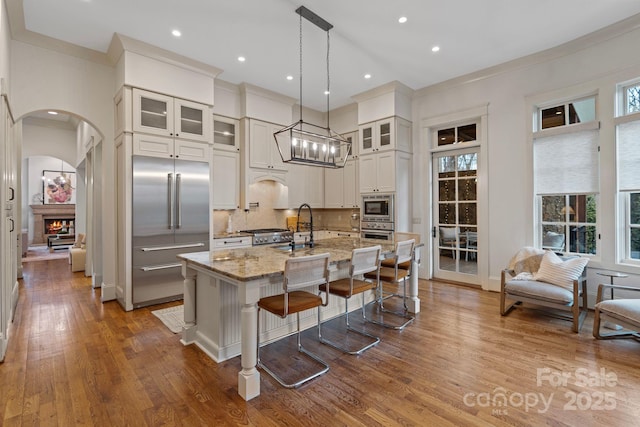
(306, 143)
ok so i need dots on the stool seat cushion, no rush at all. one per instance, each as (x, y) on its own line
(391, 264)
(623, 309)
(342, 287)
(388, 274)
(539, 290)
(298, 301)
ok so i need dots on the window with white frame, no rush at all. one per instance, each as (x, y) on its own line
(628, 150)
(566, 176)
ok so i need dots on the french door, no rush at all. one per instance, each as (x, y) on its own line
(455, 215)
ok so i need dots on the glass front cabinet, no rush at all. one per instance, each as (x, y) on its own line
(167, 116)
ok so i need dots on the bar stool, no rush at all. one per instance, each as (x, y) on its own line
(363, 260)
(394, 275)
(300, 272)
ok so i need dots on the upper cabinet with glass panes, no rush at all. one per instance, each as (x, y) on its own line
(164, 115)
(389, 134)
(225, 133)
(566, 114)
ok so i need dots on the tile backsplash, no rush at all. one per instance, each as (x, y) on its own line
(262, 214)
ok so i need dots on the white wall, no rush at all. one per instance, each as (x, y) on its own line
(45, 79)
(509, 90)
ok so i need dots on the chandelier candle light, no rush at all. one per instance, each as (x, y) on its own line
(306, 143)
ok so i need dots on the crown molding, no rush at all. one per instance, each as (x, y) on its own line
(15, 13)
(602, 35)
(120, 43)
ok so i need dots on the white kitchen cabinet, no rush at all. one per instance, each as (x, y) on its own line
(305, 185)
(225, 169)
(164, 115)
(263, 151)
(382, 172)
(341, 188)
(226, 134)
(393, 133)
(164, 147)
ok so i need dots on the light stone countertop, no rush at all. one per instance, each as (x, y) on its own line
(262, 261)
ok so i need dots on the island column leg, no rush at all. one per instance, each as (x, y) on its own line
(413, 302)
(249, 376)
(190, 327)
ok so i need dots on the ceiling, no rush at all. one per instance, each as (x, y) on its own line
(366, 39)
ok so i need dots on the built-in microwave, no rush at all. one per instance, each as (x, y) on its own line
(377, 207)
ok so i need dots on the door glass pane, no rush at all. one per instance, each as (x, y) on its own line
(191, 120)
(153, 113)
(467, 133)
(446, 136)
(457, 231)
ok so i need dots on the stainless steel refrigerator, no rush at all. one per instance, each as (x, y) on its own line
(170, 217)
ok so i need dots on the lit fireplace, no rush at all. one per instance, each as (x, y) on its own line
(55, 226)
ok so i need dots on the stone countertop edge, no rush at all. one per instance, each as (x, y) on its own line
(257, 262)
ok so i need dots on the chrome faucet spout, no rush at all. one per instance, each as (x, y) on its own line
(310, 244)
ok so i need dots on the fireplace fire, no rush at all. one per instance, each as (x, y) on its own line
(56, 226)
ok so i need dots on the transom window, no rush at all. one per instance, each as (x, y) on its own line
(631, 95)
(457, 135)
(568, 113)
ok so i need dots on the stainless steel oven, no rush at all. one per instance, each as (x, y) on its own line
(377, 207)
(376, 230)
(377, 234)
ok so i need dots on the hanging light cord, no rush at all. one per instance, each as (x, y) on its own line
(328, 79)
(300, 71)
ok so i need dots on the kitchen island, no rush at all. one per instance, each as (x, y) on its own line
(221, 291)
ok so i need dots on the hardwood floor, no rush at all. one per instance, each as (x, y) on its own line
(73, 360)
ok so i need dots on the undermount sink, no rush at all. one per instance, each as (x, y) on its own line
(297, 246)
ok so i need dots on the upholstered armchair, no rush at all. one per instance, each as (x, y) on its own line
(78, 253)
(623, 311)
(542, 278)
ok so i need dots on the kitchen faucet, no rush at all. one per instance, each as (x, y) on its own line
(310, 222)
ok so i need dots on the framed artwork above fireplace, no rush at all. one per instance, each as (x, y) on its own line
(58, 187)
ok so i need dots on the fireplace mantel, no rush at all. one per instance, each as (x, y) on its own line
(42, 212)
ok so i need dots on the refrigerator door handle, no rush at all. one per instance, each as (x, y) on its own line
(165, 248)
(178, 200)
(170, 192)
(160, 267)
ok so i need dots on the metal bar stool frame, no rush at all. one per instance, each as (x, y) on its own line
(299, 272)
(403, 254)
(363, 260)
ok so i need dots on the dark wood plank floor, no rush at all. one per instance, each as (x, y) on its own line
(76, 361)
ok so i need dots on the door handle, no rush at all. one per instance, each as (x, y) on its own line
(160, 267)
(13, 194)
(170, 199)
(179, 199)
(13, 225)
(164, 248)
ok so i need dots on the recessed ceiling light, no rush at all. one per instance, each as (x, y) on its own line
(53, 113)
(326, 92)
(176, 33)
(289, 77)
(241, 58)
(402, 19)
(367, 76)
(435, 49)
